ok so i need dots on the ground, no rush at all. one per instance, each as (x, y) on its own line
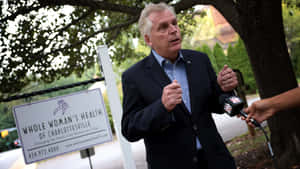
(251, 152)
(255, 159)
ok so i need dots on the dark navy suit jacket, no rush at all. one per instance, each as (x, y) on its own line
(169, 137)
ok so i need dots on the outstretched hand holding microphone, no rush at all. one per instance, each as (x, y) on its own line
(263, 109)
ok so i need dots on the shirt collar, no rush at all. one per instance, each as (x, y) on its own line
(161, 59)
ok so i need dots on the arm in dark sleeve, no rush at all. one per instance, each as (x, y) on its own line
(215, 105)
(139, 119)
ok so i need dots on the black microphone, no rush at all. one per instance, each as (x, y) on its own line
(233, 105)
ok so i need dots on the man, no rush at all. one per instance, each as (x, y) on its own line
(263, 109)
(169, 97)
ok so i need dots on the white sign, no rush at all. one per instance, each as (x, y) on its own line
(63, 124)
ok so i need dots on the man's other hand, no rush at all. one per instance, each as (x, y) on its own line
(227, 79)
(172, 95)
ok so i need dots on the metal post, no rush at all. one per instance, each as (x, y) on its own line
(90, 161)
(115, 105)
(88, 153)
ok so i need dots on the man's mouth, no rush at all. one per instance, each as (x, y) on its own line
(174, 40)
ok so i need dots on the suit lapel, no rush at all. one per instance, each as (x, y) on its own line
(155, 71)
(189, 66)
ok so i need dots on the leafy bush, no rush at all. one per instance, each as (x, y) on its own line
(236, 58)
(205, 49)
(221, 58)
(7, 121)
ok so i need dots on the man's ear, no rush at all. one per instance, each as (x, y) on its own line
(148, 40)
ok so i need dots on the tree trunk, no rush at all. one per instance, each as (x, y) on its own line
(259, 23)
(263, 34)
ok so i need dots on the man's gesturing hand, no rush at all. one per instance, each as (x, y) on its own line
(172, 95)
(227, 79)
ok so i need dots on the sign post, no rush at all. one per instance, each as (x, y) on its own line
(115, 105)
(88, 153)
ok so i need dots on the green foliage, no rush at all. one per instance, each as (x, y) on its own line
(205, 49)
(238, 59)
(7, 121)
(186, 23)
(203, 29)
(34, 48)
(47, 40)
(232, 54)
(7, 143)
(141, 51)
(295, 53)
(291, 19)
(293, 3)
(221, 58)
(6, 118)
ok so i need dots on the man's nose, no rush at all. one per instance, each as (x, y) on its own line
(172, 29)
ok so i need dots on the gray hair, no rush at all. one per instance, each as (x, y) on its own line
(145, 23)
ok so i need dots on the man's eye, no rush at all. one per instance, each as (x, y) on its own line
(163, 27)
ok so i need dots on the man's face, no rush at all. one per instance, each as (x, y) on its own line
(165, 36)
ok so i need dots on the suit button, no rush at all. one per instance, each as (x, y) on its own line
(195, 127)
(195, 159)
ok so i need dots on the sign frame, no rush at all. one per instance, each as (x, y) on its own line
(73, 118)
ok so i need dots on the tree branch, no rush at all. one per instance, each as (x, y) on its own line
(22, 11)
(230, 11)
(226, 7)
(118, 26)
(75, 21)
(95, 4)
(186, 4)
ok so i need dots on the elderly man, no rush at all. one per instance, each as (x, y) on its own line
(169, 97)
